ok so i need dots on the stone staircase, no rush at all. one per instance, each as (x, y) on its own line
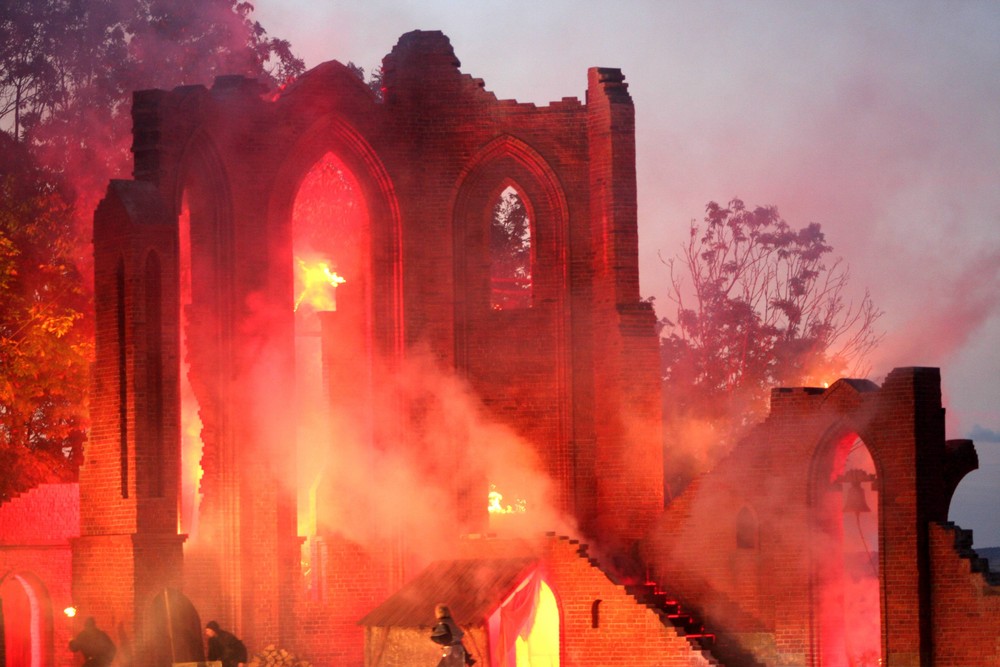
(668, 609)
(671, 612)
(728, 653)
(717, 650)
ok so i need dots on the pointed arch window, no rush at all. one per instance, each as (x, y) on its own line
(511, 251)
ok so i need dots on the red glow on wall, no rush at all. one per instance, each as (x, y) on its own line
(847, 566)
(330, 256)
(191, 445)
(330, 222)
(27, 622)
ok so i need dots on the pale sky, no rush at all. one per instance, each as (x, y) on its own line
(878, 120)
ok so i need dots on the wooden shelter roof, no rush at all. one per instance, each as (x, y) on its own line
(472, 588)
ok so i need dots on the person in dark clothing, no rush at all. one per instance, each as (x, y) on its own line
(224, 646)
(449, 636)
(96, 646)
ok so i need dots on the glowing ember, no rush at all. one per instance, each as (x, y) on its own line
(318, 283)
(70, 612)
(496, 506)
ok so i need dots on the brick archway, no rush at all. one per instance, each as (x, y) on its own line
(503, 161)
(26, 615)
(334, 134)
(845, 580)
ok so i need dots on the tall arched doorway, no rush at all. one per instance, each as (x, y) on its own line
(175, 630)
(846, 600)
(26, 615)
(538, 646)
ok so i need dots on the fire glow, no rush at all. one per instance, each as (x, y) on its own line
(318, 285)
(495, 503)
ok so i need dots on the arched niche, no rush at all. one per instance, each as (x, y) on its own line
(508, 163)
(152, 470)
(121, 355)
(379, 277)
(27, 623)
(512, 252)
(334, 355)
(174, 631)
(333, 212)
(845, 540)
(488, 338)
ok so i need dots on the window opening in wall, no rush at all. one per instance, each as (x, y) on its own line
(510, 252)
(191, 424)
(848, 569)
(330, 264)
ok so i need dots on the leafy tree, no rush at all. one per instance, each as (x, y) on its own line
(69, 70)
(374, 81)
(510, 252)
(757, 304)
(67, 73)
(44, 338)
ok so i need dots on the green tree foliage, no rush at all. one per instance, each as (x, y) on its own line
(44, 338)
(757, 304)
(510, 252)
(67, 74)
(374, 80)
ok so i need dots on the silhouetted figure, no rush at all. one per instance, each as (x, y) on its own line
(96, 646)
(449, 636)
(224, 646)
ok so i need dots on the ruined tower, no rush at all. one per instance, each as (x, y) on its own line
(195, 268)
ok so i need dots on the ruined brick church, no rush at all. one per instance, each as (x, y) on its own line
(253, 429)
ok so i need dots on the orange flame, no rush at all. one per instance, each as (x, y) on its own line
(495, 503)
(318, 283)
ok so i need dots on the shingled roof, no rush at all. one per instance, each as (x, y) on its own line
(473, 588)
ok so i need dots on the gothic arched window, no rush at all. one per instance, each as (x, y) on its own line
(510, 251)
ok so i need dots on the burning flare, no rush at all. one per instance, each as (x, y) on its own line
(495, 505)
(318, 285)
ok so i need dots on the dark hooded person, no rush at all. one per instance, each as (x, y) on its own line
(94, 644)
(224, 646)
(449, 636)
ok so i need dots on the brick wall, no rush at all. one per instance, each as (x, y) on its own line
(762, 600)
(623, 631)
(128, 550)
(966, 598)
(35, 533)
(356, 579)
